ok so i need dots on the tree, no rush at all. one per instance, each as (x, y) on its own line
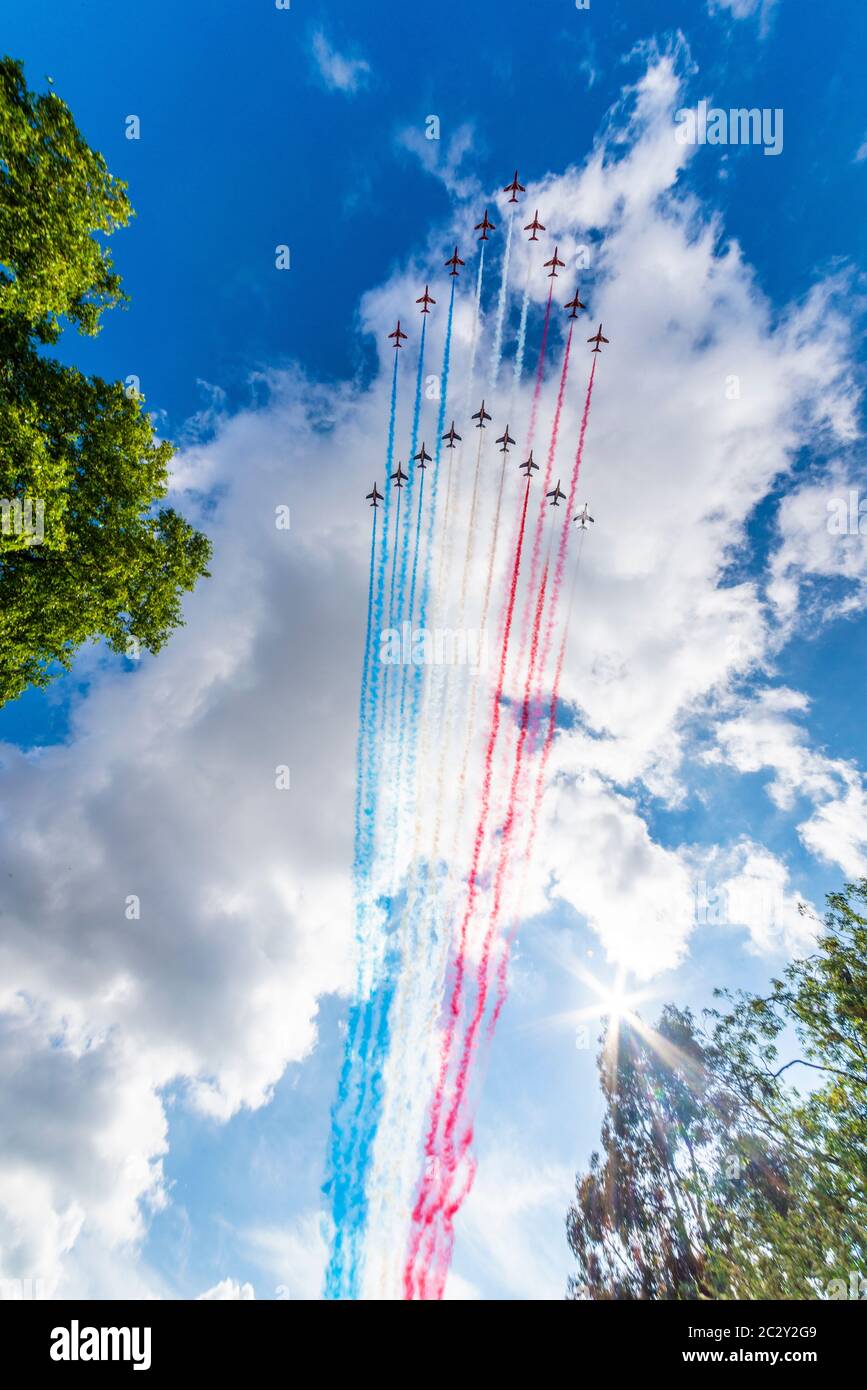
(818, 1013)
(645, 1215)
(720, 1179)
(86, 552)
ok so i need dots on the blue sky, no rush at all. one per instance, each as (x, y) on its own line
(303, 127)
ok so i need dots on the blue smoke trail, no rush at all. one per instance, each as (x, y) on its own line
(339, 1185)
(404, 563)
(413, 449)
(348, 1199)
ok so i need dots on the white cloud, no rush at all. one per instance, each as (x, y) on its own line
(823, 537)
(338, 72)
(764, 736)
(295, 1255)
(229, 1290)
(744, 9)
(758, 896)
(513, 1224)
(444, 159)
(861, 152)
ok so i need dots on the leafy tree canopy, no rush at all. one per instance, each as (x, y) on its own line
(86, 552)
(721, 1175)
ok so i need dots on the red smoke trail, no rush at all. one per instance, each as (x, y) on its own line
(540, 518)
(448, 1164)
(537, 389)
(555, 688)
(436, 1265)
(503, 965)
(419, 1218)
(451, 1161)
(567, 523)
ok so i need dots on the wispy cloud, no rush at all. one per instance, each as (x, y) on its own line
(744, 9)
(339, 72)
(443, 158)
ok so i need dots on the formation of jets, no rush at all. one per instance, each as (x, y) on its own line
(557, 495)
(484, 227)
(451, 436)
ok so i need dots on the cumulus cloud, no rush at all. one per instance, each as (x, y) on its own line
(170, 917)
(820, 561)
(229, 1290)
(765, 736)
(295, 1255)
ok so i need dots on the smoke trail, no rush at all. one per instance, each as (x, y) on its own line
(449, 1163)
(379, 604)
(375, 1020)
(540, 516)
(536, 805)
(474, 692)
(339, 1185)
(413, 448)
(435, 1257)
(394, 554)
(445, 554)
(522, 336)
(390, 1127)
(540, 367)
(564, 537)
(513, 799)
(474, 342)
(505, 629)
(419, 1214)
(444, 725)
(442, 1242)
(497, 352)
(400, 708)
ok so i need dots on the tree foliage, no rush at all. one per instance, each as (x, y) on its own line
(86, 551)
(721, 1177)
